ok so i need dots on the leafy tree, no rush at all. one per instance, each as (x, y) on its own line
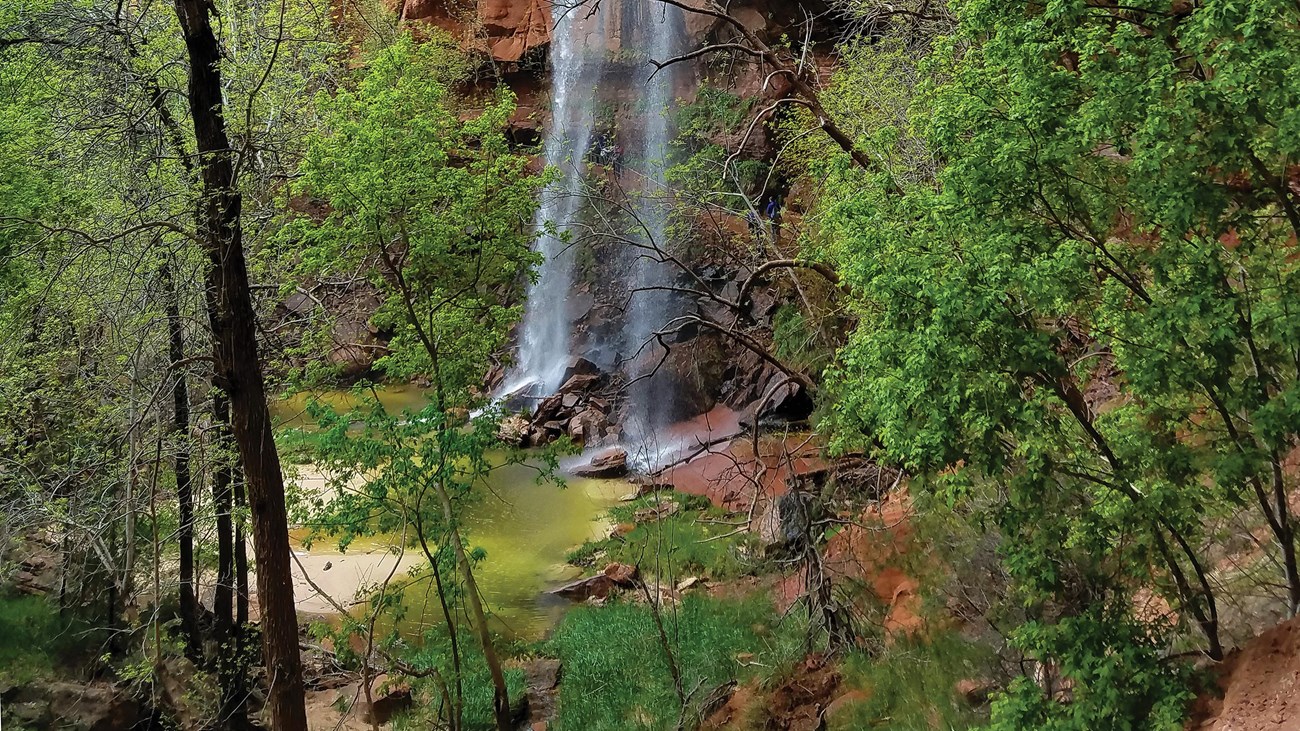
(1089, 306)
(430, 200)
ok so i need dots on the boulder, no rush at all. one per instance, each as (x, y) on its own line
(548, 409)
(606, 466)
(622, 574)
(598, 588)
(580, 383)
(578, 431)
(588, 426)
(388, 697)
(592, 587)
(579, 366)
(92, 707)
(513, 430)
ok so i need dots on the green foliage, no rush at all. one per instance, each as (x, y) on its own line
(1111, 671)
(912, 684)
(430, 201)
(616, 675)
(434, 654)
(704, 129)
(435, 206)
(1087, 310)
(698, 540)
(33, 639)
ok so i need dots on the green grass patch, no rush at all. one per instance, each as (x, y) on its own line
(691, 542)
(912, 685)
(616, 676)
(477, 685)
(32, 639)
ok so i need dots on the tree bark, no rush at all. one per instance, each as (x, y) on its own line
(230, 677)
(238, 369)
(181, 465)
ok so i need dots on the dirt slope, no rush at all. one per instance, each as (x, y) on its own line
(1260, 686)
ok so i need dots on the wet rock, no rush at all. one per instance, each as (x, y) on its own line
(388, 697)
(592, 587)
(548, 409)
(513, 430)
(588, 426)
(580, 383)
(789, 402)
(579, 366)
(578, 431)
(598, 588)
(609, 465)
(650, 484)
(569, 401)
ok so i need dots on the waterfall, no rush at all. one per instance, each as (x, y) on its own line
(650, 398)
(601, 61)
(577, 59)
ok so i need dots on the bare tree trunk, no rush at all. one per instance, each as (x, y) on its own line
(181, 465)
(238, 369)
(241, 556)
(233, 713)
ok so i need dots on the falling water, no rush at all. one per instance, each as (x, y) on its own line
(577, 52)
(651, 307)
(604, 57)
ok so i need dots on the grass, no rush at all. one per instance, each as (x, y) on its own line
(692, 542)
(616, 676)
(32, 639)
(912, 685)
(477, 684)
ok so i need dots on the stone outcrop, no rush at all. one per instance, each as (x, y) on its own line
(579, 410)
(610, 465)
(615, 576)
(506, 30)
(96, 706)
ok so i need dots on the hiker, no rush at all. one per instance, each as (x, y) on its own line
(773, 214)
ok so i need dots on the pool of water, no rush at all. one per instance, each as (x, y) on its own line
(291, 412)
(525, 528)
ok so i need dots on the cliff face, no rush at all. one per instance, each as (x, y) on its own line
(505, 30)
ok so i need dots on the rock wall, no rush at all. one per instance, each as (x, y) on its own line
(506, 30)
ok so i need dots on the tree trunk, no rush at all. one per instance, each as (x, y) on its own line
(241, 556)
(181, 465)
(238, 370)
(230, 672)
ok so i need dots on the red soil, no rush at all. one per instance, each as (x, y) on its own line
(1260, 686)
